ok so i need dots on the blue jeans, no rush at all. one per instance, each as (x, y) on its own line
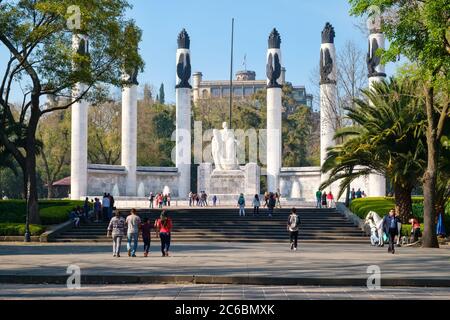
(132, 237)
(319, 203)
(165, 241)
(241, 210)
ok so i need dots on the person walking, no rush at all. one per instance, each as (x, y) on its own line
(111, 206)
(146, 228)
(358, 194)
(293, 224)
(256, 204)
(330, 200)
(353, 194)
(133, 223)
(163, 227)
(319, 199)
(116, 229)
(105, 205)
(190, 198)
(214, 200)
(390, 227)
(266, 199)
(160, 201)
(86, 207)
(271, 204)
(277, 197)
(151, 199)
(168, 199)
(97, 210)
(241, 205)
(324, 199)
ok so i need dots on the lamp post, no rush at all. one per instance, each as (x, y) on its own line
(27, 221)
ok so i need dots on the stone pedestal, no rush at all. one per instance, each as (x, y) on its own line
(274, 136)
(129, 137)
(228, 184)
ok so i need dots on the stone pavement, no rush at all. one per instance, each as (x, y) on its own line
(217, 292)
(229, 263)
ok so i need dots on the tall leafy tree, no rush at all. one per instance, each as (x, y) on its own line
(38, 36)
(419, 30)
(162, 95)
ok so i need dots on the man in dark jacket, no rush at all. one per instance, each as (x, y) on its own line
(390, 227)
(271, 204)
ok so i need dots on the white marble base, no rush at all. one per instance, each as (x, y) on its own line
(229, 183)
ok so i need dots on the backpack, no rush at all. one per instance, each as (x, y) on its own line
(294, 224)
(241, 201)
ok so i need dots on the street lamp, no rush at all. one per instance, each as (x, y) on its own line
(27, 221)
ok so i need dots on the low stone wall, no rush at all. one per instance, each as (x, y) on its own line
(112, 179)
(300, 183)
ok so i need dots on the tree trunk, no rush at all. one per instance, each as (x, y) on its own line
(33, 207)
(429, 239)
(50, 190)
(403, 202)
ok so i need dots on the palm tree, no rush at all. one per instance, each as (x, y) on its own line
(386, 138)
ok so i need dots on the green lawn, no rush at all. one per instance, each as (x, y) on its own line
(12, 215)
(382, 205)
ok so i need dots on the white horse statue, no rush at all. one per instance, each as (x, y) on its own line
(376, 223)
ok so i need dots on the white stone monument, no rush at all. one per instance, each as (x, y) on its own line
(274, 103)
(223, 147)
(183, 114)
(328, 96)
(129, 130)
(79, 133)
(376, 71)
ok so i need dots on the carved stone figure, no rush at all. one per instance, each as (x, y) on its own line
(373, 60)
(131, 77)
(326, 66)
(273, 71)
(328, 33)
(184, 71)
(274, 39)
(184, 41)
(223, 146)
(83, 47)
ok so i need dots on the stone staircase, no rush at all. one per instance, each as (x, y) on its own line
(225, 225)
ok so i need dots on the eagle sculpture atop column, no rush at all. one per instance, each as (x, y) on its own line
(273, 68)
(326, 60)
(184, 61)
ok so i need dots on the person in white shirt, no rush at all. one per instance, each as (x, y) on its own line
(133, 223)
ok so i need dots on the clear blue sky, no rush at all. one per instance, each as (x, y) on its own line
(208, 23)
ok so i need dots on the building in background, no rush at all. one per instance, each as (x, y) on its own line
(244, 87)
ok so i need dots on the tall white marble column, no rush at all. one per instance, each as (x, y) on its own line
(274, 109)
(129, 131)
(328, 94)
(79, 132)
(183, 114)
(377, 183)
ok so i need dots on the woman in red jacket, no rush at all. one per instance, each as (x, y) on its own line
(163, 226)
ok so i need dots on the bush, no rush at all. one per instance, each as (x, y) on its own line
(18, 229)
(51, 211)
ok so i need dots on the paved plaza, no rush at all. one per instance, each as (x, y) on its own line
(222, 261)
(218, 292)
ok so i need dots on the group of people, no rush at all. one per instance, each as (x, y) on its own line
(271, 201)
(200, 199)
(325, 200)
(133, 226)
(160, 200)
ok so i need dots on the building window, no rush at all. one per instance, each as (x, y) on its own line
(205, 94)
(226, 92)
(215, 92)
(248, 92)
(237, 92)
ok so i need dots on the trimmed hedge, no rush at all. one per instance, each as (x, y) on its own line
(51, 211)
(18, 229)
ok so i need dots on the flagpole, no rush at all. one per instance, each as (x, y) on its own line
(231, 69)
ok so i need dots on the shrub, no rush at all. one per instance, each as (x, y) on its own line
(51, 211)
(18, 229)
